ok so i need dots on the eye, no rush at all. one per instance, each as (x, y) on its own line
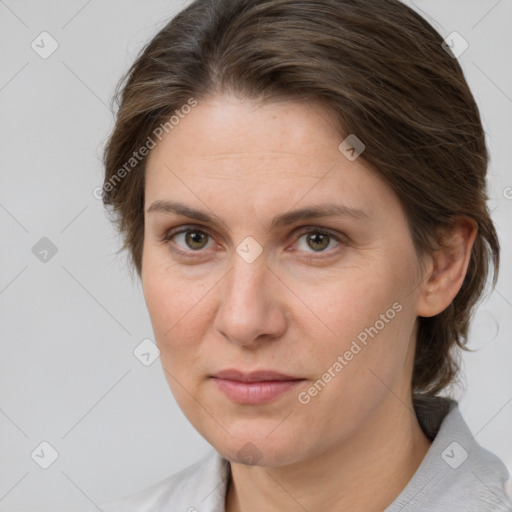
(189, 240)
(316, 239)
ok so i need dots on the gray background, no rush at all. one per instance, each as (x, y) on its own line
(68, 375)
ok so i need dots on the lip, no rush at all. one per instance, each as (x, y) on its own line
(254, 376)
(254, 388)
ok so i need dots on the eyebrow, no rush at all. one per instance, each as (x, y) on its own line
(311, 212)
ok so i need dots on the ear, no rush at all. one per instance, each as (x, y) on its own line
(447, 268)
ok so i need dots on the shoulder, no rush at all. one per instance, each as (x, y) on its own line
(200, 486)
(457, 474)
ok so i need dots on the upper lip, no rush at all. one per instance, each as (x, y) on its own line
(255, 376)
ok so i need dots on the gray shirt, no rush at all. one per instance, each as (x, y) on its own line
(456, 475)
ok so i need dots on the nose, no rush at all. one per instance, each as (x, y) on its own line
(252, 308)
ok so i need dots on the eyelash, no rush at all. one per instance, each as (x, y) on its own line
(200, 229)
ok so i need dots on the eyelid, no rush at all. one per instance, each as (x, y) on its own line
(319, 229)
(183, 228)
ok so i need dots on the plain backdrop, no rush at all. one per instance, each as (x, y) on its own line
(70, 314)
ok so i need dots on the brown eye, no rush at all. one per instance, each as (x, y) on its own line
(317, 241)
(195, 239)
(188, 240)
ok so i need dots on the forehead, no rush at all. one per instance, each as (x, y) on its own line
(266, 154)
(223, 127)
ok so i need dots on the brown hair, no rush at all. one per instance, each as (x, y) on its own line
(379, 68)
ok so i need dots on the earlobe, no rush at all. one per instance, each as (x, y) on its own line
(447, 268)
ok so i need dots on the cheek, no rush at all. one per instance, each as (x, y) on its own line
(175, 310)
(355, 377)
(365, 321)
(340, 307)
(175, 307)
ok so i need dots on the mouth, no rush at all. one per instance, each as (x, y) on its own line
(254, 388)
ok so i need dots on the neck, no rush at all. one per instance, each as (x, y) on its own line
(365, 473)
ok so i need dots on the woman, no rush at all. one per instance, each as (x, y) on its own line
(301, 189)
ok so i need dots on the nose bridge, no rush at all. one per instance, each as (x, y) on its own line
(248, 306)
(247, 283)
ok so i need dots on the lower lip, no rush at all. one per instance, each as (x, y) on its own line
(254, 393)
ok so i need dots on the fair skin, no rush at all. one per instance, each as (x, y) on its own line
(295, 308)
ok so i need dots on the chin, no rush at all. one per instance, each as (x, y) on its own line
(258, 445)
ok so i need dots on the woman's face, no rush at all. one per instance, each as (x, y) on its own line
(245, 286)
